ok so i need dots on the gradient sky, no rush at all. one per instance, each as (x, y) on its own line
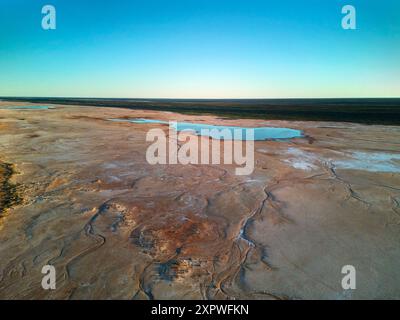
(200, 49)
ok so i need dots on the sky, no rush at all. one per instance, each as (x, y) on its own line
(200, 49)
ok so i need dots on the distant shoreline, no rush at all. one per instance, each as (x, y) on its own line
(373, 111)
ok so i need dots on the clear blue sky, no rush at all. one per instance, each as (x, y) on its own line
(200, 49)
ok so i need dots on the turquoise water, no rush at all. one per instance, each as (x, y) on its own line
(229, 132)
(139, 121)
(28, 108)
(239, 133)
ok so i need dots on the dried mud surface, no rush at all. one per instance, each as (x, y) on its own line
(116, 227)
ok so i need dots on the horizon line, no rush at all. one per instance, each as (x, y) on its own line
(148, 98)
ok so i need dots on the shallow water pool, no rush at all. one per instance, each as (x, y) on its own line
(373, 162)
(28, 108)
(226, 132)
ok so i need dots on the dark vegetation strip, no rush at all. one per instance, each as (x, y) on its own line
(366, 111)
(8, 191)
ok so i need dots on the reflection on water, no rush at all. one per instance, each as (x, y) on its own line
(239, 133)
(28, 108)
(219, 132)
